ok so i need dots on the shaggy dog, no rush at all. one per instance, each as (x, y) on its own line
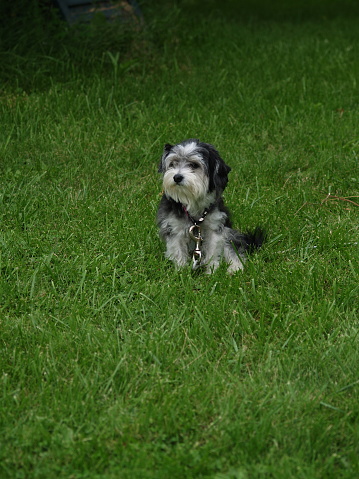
(192, 218)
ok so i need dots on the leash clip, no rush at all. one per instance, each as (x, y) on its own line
(195, 235)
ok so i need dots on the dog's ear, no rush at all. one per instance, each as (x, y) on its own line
(217, 170)
(166, 150)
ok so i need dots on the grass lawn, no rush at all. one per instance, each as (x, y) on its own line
(113, 364)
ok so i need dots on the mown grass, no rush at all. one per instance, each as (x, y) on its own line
(112, 363)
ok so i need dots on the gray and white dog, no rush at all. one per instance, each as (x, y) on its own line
(192, 217)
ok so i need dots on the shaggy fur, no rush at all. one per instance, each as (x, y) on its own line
(194, 177)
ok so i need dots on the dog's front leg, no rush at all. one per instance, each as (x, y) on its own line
(177, 249)
(213, 245)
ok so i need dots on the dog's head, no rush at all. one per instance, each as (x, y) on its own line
(193, 171)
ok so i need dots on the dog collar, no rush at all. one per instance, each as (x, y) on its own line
(201, 218)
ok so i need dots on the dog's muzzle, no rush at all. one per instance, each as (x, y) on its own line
(178, 178)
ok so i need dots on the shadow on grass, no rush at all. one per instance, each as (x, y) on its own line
(38, 48)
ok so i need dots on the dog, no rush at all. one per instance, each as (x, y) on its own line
(192, 218)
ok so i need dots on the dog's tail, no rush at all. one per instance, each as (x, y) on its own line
(250, 241)
(255, 239)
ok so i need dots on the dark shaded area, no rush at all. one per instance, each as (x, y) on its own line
(37, 47)
(22, 11)
(293, 10)
(74, 11)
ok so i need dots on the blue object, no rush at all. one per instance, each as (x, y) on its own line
(83, 10)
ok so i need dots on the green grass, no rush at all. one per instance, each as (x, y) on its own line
(113, 364)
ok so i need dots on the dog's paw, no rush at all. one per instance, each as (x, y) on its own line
(235, 266)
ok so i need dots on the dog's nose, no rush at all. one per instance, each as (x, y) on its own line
(178, 178)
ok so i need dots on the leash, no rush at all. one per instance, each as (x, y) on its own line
(195, 235)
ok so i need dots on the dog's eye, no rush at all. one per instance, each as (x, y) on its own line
(194, 166)
(173, 164)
